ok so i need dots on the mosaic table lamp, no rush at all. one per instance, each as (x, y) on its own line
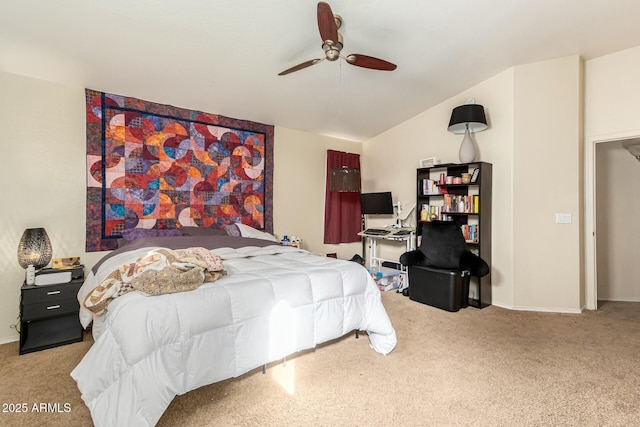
(34, 248)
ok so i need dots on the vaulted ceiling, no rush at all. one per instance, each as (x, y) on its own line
(223, 56)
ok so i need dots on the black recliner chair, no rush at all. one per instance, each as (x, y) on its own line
(441, 268)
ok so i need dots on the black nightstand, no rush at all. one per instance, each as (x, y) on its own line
(49, 316)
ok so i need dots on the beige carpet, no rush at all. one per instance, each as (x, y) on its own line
(490, 367)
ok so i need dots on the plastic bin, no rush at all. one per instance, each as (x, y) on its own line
(445, 289)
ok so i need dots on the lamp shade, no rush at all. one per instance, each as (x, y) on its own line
(345, 180)
(34, 248)
(471, 115)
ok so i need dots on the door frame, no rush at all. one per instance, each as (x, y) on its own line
(590, 212)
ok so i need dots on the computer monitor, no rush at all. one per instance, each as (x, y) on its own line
(376, 203)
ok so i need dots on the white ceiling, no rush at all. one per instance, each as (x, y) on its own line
(223, 56)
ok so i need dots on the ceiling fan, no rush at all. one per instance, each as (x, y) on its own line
(328, 24)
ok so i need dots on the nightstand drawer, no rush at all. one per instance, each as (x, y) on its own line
(34, 294)
(49, 308)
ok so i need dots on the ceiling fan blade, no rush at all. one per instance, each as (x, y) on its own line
(300, 66)
(327, 23)
(370, 62)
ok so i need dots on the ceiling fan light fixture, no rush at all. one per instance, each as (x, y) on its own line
(332, 50)
(328, 25)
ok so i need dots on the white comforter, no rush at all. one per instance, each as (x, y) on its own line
(274, 301)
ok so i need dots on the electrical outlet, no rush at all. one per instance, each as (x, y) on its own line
(563, 218)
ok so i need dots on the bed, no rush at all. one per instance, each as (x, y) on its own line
(273, 301)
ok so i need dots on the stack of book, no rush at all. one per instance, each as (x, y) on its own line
(471, 232)
(462, 204)
(429, 187)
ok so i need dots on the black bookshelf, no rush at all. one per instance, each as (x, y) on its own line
(478, 219)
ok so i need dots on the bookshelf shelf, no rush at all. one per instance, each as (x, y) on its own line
(472, 211)
(456, 185)
(460, 213)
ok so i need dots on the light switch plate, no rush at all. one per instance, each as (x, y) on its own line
(563, 218)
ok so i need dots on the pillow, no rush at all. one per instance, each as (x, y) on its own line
(232, 230)
(131, 234)
(415, 257)
(202, 231)
(442, 244)
(247, 231)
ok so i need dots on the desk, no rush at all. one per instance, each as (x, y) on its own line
(373, 260)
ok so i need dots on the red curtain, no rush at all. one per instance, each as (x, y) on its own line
(342, 218)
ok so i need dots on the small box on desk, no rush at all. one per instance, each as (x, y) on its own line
(444, 289)
(388, 279)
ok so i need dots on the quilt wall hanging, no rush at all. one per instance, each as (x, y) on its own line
(161, 167)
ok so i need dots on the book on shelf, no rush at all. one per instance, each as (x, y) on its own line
(431, 187)
(471, 232)
(461, 204)
(428, 186)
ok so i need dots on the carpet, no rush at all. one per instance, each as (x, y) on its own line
(492, 367)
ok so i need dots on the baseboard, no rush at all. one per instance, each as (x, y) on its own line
(541, 309)
(7, 340)
(562, 310)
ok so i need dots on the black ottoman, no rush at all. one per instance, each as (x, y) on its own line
(445, 289)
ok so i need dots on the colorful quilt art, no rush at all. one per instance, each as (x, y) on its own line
(156, 166)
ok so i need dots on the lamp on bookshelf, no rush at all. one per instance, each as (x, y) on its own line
(466, 119)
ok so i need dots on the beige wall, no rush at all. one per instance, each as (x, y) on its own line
(43, 176)
(547, 167)
(533, 112)
(535, 130)
(612, 90)
(391, 159)
(299, 188)
(618, 207)
(612, 112)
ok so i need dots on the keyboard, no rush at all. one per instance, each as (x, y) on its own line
(402, 233)
(376, 231)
